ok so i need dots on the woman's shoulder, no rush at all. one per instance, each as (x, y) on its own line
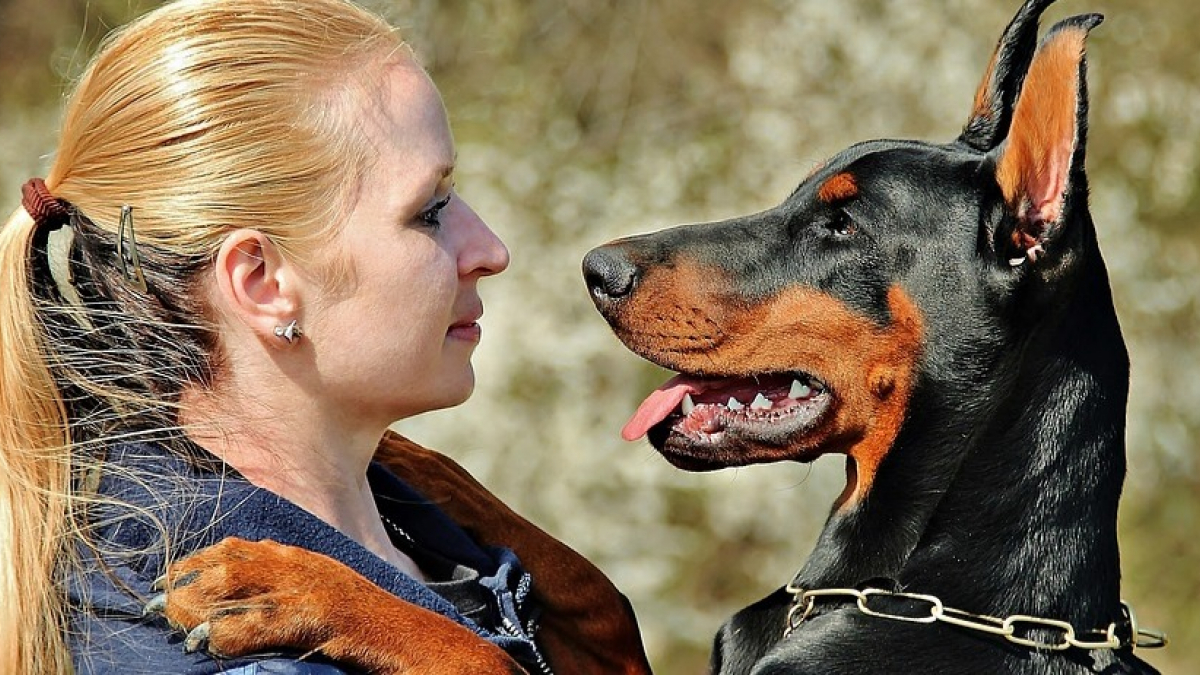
(159, 473)
(151, 504)
(145, 494)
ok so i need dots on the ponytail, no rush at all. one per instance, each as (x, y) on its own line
(34, 472)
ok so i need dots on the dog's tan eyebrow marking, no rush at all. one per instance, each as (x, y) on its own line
(840, 187)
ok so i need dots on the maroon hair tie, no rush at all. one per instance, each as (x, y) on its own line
(43, 207)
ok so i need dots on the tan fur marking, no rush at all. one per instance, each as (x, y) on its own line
(838, 188)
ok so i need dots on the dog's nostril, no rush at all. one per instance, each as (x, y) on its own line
(609, 273)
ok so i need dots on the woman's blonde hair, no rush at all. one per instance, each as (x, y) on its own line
(204, 116)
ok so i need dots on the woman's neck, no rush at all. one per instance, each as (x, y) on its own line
(301, 454)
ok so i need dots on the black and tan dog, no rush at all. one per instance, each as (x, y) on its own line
(940, 314)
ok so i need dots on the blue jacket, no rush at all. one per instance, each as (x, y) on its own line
(199, 505)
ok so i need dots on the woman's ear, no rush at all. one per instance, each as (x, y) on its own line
(256, 283)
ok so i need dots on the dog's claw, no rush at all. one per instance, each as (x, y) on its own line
(186, 579)
(157, 605)
(197, 639)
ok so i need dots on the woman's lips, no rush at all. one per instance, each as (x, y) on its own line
(467, 328)
(468, 332)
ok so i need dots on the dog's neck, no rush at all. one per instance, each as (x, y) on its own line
(1016, 512)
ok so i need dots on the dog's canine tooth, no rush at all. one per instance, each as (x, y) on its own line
(688, 405)
(760, 402)
(799, 390)
(734, 404)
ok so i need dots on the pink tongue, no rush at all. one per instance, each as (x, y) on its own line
(658, 405)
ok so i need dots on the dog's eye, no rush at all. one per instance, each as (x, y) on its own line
(841, 224)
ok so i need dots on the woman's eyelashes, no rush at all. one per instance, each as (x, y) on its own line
(432, 216)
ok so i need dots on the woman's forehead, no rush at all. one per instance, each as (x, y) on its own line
(405, 117)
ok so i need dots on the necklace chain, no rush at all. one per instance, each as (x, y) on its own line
(804, 604)
(396, 529)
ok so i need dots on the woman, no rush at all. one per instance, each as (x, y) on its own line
(248, 258)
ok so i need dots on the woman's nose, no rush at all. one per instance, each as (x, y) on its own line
(484, 254)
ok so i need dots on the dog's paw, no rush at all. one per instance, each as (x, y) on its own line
(240, 597)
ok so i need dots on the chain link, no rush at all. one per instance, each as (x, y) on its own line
(1014, 628)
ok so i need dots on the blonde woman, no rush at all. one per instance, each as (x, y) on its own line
(248, 259)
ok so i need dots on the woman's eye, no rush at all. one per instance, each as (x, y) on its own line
(433, 215)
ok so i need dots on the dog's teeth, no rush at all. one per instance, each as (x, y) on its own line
(734, 404)
(760, 403)
(688, 405)
(799, 390)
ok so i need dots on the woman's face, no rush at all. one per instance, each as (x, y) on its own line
(395, 339)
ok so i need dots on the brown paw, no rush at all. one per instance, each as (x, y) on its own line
(240, 597)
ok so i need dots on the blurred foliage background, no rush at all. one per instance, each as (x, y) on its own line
(579, 121)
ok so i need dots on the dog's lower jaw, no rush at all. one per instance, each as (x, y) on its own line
(780, 437)
(682, 456)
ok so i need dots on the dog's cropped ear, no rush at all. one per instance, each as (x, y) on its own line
(1039, 166)
(994, 99)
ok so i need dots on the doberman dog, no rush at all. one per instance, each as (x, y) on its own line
(938, 313)
(941, 315)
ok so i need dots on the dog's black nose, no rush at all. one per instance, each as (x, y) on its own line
(609, 273)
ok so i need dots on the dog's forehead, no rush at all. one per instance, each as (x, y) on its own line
(853, 171)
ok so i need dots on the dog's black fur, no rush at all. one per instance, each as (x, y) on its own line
(998, 484)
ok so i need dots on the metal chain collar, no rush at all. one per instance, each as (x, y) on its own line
(1007, 628)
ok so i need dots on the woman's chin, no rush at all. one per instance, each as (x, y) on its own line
(452, 393)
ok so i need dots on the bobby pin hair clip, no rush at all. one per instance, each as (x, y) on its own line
(127, 252)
